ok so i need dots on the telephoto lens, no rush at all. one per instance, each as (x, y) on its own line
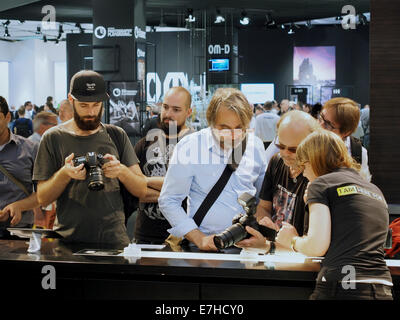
(230, 236)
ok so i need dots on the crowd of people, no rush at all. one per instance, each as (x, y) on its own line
(308, 174)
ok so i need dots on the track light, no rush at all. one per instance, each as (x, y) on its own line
(191, 17)
(219, 18)
(244, 20)
(44, 38)
(269, 21)
(291, 30)
(60, 31)
(6, 33)
(308, 24)
(6, 23)
(37, 30)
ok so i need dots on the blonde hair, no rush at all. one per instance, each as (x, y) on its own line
(347, 113)
(232, 99)
(326, 152)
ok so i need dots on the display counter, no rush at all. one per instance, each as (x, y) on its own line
(105, 275)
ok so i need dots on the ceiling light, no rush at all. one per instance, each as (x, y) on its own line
(6, 33)
(6, 23)
(244, 19)
(44, 38)
(269, 21)
(291, 30)
(191, 17)
(78, 25)
(308, 24)
(37, 30)
(219, 18)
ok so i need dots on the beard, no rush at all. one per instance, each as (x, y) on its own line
(170, 128)
(87, 125)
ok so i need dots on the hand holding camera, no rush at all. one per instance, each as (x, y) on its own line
(74, 172)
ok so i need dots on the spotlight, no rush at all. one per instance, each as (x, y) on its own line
(244, 20)
(56, 41)
(219, 18)
(191, 17)
(269, 21)
(60, 31)
(6, 23)
(308, 24)
(44, 38)
(282, 26)
(291, 30)
(37, 30)
(6, 33)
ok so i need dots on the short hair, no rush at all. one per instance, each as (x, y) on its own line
(44, 117)
(300, 117)
(326, 152)
(3, 106)
(346, 111)
(259, 108)
(49, 99)
(234, 100)
(268, 105)
(181, 90)
(21, 110)
(26, 103)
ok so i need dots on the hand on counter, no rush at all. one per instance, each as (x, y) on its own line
(286, 234)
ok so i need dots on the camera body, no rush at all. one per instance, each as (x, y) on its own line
(237, 231)
(92, 162)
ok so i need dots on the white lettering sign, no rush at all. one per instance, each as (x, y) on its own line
(217, 49)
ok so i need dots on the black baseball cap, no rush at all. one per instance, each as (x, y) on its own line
(88, 86)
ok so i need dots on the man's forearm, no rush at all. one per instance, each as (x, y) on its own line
(133, 182)
(155, 182)
(151, 196)
(195, 236)
(49, 190)
(28, 203)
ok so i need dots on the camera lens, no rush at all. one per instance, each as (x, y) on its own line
(230, 236)
(95, 179)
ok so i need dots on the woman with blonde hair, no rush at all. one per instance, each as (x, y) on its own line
(348, 223)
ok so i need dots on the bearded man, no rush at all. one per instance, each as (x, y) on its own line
(84, 214)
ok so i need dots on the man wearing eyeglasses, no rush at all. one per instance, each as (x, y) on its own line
(341, 116)
(281, 197)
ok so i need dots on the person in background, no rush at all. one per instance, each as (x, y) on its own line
(65, 112)
(43, 121)
(266, 125)
(153, 122)
(30, 112)
(315, 110)
(17, 155)
(342, 116)
(22, 126)
(364, 118)
(307, 107)
(284, 107)
(154, 152)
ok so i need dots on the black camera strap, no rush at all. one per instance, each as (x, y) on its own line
(216, 190)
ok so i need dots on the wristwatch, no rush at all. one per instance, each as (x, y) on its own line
(293, 243)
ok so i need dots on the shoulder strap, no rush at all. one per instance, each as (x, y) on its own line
(16, 182)
(115, 137)
(356, 149)
(216, 190)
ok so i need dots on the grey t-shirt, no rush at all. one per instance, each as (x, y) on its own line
(84, 215)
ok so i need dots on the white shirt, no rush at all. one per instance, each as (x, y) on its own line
(196, 165)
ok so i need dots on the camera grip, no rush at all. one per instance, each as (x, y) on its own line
(268, 233)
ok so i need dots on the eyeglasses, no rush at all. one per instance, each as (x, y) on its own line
(283, 147)
(326, 124)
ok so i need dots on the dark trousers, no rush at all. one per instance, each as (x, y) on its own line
(362, 291)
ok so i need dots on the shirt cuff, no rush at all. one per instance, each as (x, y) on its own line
(183, 228)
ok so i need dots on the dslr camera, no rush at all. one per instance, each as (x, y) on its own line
(92, 162)
(237, 231)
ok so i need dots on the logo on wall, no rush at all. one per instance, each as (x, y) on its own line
(217, 49)
(172, 79)
(100, 32)
(139, 33)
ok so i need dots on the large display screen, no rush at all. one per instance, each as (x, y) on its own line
(258, 92)
(314, 64)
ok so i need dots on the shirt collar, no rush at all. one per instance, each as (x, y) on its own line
(13, 138)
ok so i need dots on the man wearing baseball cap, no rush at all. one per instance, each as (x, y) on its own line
(84, 213)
